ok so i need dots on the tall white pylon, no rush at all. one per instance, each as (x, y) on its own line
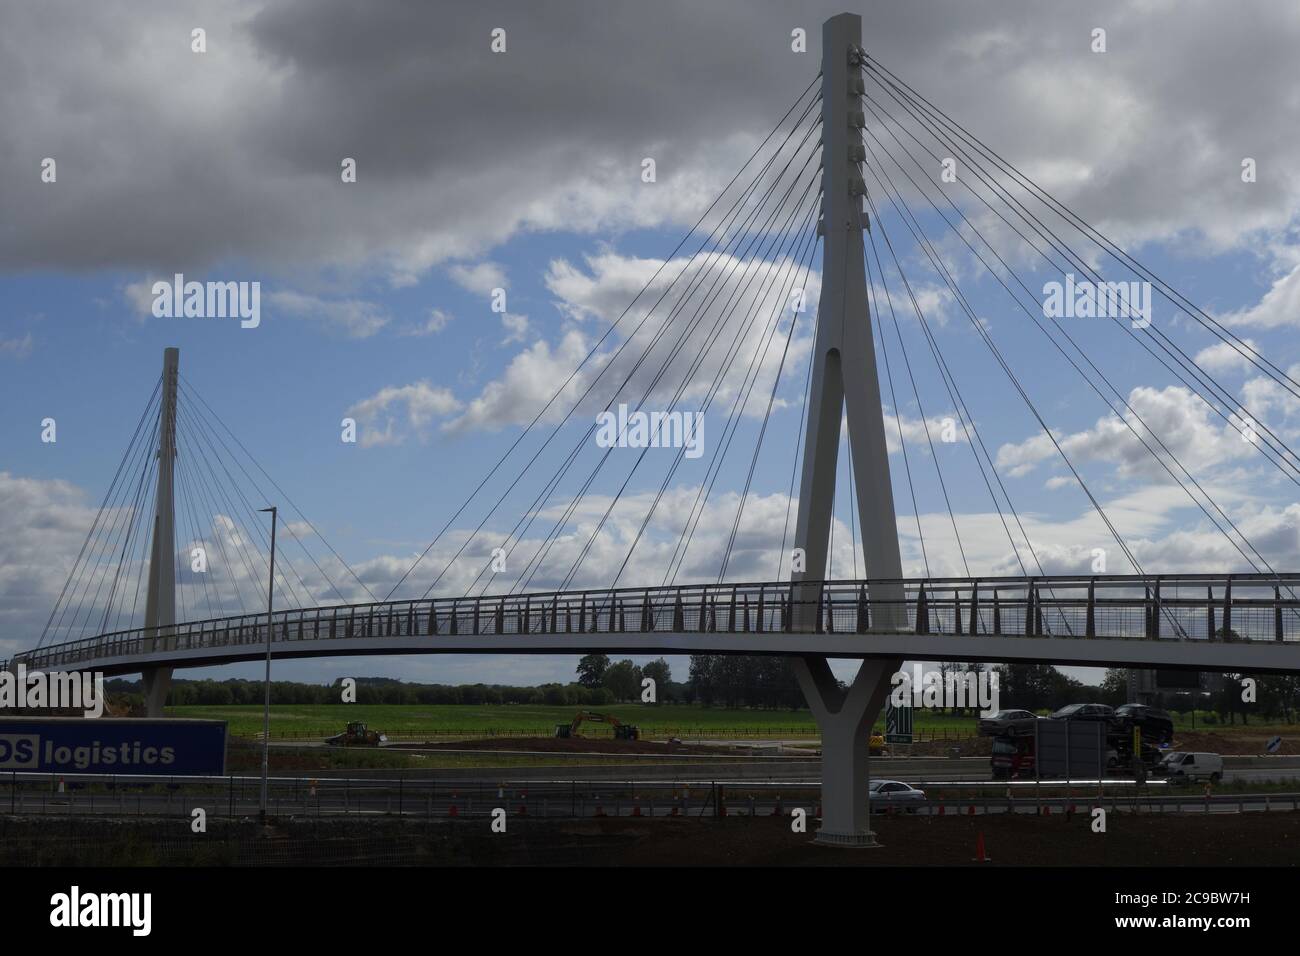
(160, 602)
(844, 377)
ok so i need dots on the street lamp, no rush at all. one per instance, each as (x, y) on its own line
(266, 709)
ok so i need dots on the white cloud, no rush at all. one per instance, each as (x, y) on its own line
(436, 321)
(481, 277)
(19, 347)
(354, 318)
(1228, 356)
(394, 413)
(516, 327)
(1279, 307)
(1181, 421)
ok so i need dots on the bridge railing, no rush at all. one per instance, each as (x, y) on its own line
(1188, 607)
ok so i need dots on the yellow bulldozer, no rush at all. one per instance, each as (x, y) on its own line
(622, 731)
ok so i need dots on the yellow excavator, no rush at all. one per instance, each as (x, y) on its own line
(622, 731)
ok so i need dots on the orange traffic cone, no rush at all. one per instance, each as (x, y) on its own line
(970, 811)
(452, 811)
(940, 808)
(636, 807)
(980, 857)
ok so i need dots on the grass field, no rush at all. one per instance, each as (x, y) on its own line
(463, 720)
(655, 720)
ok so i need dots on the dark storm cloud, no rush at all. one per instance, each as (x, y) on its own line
(172, 160)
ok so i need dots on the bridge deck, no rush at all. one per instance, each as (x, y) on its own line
(1236, 622)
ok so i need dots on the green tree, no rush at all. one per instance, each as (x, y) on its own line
(623, 680)
(591, 670)
(661, 674)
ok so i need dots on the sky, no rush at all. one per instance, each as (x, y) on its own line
(517, 179)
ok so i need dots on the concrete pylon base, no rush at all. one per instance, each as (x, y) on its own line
(157, 681)
(844, 717)
(852, 841)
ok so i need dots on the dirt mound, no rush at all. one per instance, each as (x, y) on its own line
(567, 745)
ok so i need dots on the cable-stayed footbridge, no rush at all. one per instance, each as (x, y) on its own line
(715, 332)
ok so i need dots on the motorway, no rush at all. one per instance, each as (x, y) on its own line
(237, 797)
(605, 766)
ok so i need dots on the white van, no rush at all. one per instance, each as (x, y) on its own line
(1180, 767)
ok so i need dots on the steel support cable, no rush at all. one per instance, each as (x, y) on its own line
(1115, 251)
(206, 408)
(724, 226)
(1034, 318)
(609, 331)
(784, 264)
(704, 492)
(205, 504)
(949, 379)
(58, 603)
(780, 264)
(123, 558)
(953, 388)
(788, 258)
(853, 515)
(754, 265)
(709, 296)
(137, 509)
(1185, 363)
(260, 492)
(794, 461)
(218, 494)
(718, 284)
(214, 495)
(145, 539)
(187, 496)
(758, 446)
(830, 542)
(806, 259)
(199, 423)
(105, 547)
(916, 392)
(873, 305)
(963, 409)
(287, 590)
(802, 259)
(1033, 410)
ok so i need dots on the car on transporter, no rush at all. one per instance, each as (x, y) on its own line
(1155, 724)
(1099, 713)
(1008, 723)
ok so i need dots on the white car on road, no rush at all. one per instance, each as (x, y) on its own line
(895, 792)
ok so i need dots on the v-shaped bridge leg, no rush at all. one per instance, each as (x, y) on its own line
(845, 718)
(157, 681)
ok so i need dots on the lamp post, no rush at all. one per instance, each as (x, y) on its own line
(266, 709)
